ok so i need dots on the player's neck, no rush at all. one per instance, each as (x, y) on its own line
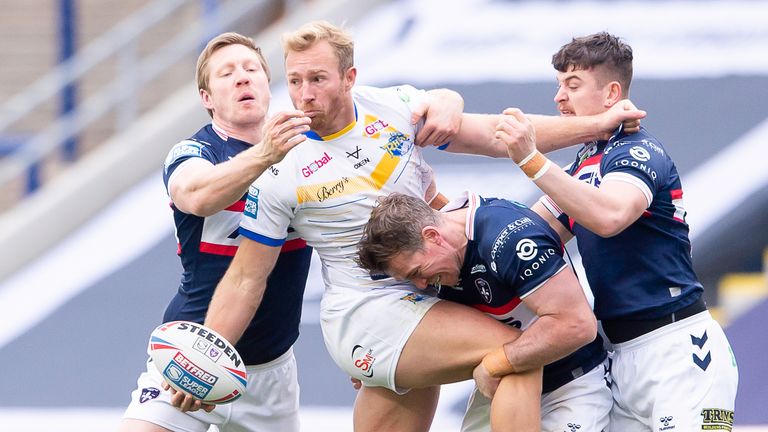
(250, 133)
(455, 222)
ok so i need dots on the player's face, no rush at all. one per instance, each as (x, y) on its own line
(580, 93)
(317, 87)
(238, 87)
(434, 265)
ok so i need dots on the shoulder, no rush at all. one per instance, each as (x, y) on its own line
(186, 149)
(641, 145)
(395, 97)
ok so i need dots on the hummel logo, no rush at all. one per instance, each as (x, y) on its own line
(355, 154)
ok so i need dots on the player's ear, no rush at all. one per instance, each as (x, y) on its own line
(430, 234)
(349, 77)
(613, 95)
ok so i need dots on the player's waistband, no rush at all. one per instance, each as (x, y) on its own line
(553, 381)
(623, 330)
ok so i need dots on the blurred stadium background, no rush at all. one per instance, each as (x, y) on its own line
(96, 92)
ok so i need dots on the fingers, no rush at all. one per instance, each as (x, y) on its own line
(288, 124)
(356, 383)
(516, 113)
(418, 112)
(186, 402)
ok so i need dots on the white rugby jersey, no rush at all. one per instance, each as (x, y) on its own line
(326, 187)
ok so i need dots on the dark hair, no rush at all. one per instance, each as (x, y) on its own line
(599, 49)
(394, 226)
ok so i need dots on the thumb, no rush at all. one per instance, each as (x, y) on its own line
(418, 112)
(516, 113)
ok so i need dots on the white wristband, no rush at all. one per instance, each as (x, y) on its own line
(527, 158)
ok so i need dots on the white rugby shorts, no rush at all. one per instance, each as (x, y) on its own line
(270, 402)
(680, 377)
(365, 331)
(583, 404)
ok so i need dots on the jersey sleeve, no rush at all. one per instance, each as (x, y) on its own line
(527, 258)
(268, 210)
(641, 163)
(180, 153)
(558, 213)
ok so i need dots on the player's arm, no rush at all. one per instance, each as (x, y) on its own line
(606, 210)
(554, 132)
(565, 324)
(477, 133)
(234, 303)
(441, 110)
(201, 188)
(239, 293)
(551, 219)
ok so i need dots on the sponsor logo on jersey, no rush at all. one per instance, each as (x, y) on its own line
(484, 288)
(536, 265)
(149, 393)
(251, 208)
(501, 239)
(398, 144)
(375, 126)
(274, 171)
(316, 165)
(184, 149)
(362, 163)
(526, 249)
(413, 298)
(640, 154)
(355, 153)
(479, 268)
(585, 153)
(403, 95)
(328, 191)
(666, 423)
(363, 359)
(638, 165)
(716, 419)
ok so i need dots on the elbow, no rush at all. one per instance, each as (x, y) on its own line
(609, 225)
(584, 330)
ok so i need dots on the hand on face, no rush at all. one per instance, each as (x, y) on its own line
(517, 133)
(283, 132)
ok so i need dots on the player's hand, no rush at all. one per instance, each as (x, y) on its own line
(624, 112)
(185, 401)
(281, 133)
(356, 383)
(442, 113)
(517, 133)
(485, 382)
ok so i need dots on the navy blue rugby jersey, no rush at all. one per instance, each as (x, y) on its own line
(511, 252)
(206, 246)
(645, 271)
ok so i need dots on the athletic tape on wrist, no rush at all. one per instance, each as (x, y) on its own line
(535, 165)
(542, 171)
(527, 158)
(497, 363)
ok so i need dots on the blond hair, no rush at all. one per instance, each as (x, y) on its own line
(202, 74)
(315, 31)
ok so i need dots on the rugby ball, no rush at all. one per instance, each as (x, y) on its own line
(195, 359)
